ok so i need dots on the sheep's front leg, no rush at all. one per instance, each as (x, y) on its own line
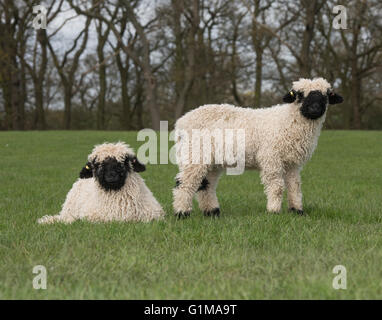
(274, 187)
(206, 194)
(293, 185)
(188, 181)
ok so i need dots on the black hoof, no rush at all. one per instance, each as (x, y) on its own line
(212, 213)
(182, 215)
(300, 212)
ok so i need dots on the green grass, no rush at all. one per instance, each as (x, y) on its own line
(246, 254)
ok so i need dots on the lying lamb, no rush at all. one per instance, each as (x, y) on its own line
(109, 189)
(278, 142)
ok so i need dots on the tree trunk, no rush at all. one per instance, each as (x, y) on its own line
(39, 81)
(7, 96)
(39, 97)
(181, 100)
(6, 70)
(259, 76)
(138, 104)
(139, 116)
(102, 38)
(126, 104)
(101, 97)
(356, 84)
(356, 102)
(16, 84)
(151, 90)
(23, 96)
(257, 42)
(311, 9)
(184, 72)
(68, 105)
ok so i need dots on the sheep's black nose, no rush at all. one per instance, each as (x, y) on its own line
(315, 107)
(112, 177)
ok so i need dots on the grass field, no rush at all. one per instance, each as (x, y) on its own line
(246, 254)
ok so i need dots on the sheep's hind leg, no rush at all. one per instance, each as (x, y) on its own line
(274, 188)
(206, 194)
(188, 182)
(293, 185)
(54, 219)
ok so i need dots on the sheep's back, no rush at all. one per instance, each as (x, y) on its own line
(278, 132)
(211, 117)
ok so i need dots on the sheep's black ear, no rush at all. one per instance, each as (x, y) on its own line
(290, 97)
(86, 172)
(335, 98)
(137, 166)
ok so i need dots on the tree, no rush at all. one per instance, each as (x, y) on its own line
(143, 60)
(102, 38)
(13, 39)
(354, 54)
(37, 67)
(67, 68)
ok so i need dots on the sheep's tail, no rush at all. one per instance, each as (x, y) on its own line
(53, 219)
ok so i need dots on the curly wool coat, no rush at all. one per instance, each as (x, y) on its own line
(88, 200)
(278, 141)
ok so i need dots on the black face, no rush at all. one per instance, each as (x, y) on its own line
(111, 174)
(314, 105)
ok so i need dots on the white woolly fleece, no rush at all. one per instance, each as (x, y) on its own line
(278, 141)
(118, 150)
(87, 200)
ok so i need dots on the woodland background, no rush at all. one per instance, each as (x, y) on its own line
(126, 65)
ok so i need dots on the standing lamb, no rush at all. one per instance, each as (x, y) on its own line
(278, 142)
(109, 189)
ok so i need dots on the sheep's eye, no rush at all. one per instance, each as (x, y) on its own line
(300, 95)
